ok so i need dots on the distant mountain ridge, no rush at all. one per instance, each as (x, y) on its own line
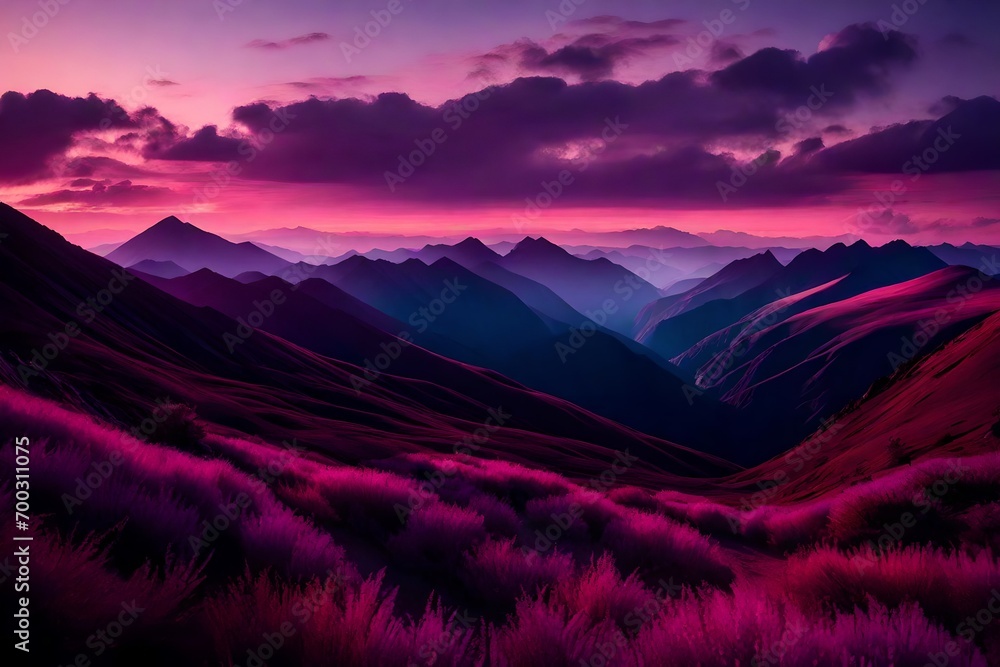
(192, 248)
(146, 344)
(868, 268)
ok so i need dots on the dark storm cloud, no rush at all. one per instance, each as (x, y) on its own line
(590, 57)
(37, 127)
(505, 140)
(858, 59)
(966, 139)
(205, 145)
(806, 146)
(101, 196)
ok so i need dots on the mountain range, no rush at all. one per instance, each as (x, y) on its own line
(767, 345)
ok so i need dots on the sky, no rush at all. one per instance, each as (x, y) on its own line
(442, 117)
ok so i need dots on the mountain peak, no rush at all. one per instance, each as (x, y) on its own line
(171, 221)
(898, 244)
(192, 248)
(536, 245)
(471, 242)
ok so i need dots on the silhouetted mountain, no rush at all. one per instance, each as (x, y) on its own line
(733, 280)
(486, 324)
(727, 237)
(657, 237)
(556, 313)
(691, 262)
(144, 345)
(681, 286)
(314, 313)
(192, 249)
(248, 277)
(603, 291)
(313, 242)
(468, 253)
(288, 255)
(812, 364)
(943, 405)
(160, 269)
(982, 257)
(867, 268)
(546, 303)
(661, 275)
(104, 248)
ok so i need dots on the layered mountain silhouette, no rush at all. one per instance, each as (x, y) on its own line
(983, 257)
(945, 404)
(603, 291)
(733, 280)
(145, 345)
(861, 266)
(165, 269)
(389, 349)
(478, 321)
(813, 363)
(191, 248)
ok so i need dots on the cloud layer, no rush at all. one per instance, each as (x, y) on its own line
(770, 128)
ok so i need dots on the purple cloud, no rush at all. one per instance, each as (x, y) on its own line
(39, 126)
(204, 145)
(858, 59)
(100, 195)
(966, 139)
(299, 40)
(524, 133)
